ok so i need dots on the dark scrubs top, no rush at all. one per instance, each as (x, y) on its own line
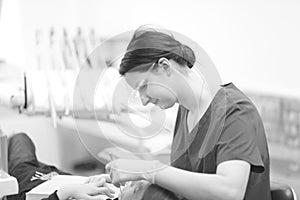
(233, 133)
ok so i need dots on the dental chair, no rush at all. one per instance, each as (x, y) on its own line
(280, 191)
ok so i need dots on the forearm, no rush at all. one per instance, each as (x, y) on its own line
(195, 186)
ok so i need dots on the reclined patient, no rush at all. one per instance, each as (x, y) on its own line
(23, 164)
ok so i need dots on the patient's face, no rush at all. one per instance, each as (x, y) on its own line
(134, 190)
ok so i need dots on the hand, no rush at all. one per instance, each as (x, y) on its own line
(85, 191)
(123, 170)
(100, 179)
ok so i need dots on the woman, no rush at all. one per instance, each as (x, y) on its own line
(219, 148)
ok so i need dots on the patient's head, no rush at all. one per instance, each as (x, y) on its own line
(134, 190)
(143, 190)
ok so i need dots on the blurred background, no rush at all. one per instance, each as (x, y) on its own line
(254, 44)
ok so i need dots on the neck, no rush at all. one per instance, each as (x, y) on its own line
(195, 95)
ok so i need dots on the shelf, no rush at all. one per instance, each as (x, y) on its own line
(8, 186)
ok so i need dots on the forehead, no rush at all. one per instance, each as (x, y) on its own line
(134, 78)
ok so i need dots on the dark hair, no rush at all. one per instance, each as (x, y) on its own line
(148, 46)
(155, 192)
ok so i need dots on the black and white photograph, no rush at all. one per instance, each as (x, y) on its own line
(149, 100)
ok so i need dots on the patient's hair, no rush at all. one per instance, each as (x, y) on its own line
(155, 192)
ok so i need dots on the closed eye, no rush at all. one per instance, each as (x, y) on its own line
(142, 88)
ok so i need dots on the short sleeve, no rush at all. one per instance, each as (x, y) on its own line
(239, 141)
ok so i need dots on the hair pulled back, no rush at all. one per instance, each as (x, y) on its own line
(148, 46)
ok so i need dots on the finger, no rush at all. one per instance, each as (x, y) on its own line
(106, 177)
(110, 193)
(108, 167)
(111, 165)
(122, 183)
(95, 197)
(92, 197)
(119, 179)
(99, 183)
(116, 182)
(92, 179)
(106, 191)
(95, 191)
(111, 175)
(37, 172)
(111, 190)
(114, 178)
(88, 180)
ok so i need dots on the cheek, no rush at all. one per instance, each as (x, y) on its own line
(160, 92)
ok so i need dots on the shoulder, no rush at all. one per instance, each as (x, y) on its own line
(240, 117)
(234, 96)
(238, 104)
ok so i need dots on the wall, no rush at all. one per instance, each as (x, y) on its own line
(40, 130)
(254, 43)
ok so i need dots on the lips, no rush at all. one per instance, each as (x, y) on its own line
(155, 102)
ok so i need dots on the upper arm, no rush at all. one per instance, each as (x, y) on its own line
(241, 150)
(236, 173)
(240, 141)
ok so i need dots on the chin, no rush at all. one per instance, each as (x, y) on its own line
(164, 106)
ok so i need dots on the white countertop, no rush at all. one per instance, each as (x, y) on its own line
(8, 186)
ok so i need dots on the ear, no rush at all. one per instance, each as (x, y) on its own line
(164, 66)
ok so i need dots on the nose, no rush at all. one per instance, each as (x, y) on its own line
(144, 98)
